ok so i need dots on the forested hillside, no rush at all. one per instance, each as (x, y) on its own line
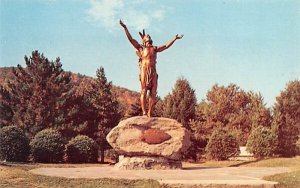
(125, 96)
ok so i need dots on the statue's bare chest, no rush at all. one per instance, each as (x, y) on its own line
(149, 52)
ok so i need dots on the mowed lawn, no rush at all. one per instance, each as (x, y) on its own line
(17, 175)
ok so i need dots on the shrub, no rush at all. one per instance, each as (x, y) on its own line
(14, 144)
(47, 146)
(82, 149)
(262, 142)
(222, 145)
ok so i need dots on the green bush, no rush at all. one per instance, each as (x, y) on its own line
(262, 142)
(222, 145)
(14, 144)
(82, 149)
(47, 146)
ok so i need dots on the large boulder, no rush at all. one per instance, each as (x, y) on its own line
(152, 137)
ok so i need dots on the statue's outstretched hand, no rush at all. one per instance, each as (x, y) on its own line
(122, 24)
(178, 37)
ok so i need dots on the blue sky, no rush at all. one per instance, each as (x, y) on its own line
(252, 43)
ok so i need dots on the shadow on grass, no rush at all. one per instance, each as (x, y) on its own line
(198, 168)
(245, 163)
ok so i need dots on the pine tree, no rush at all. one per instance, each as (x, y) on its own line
(104, 108)
(181, 103)
(135, 109)
(38, 93)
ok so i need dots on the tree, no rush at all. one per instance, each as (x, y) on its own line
(287, 118)
(181, 103)
(259, 114)
(235, 109)
(6, 111)
(262, 142)
(222, 145)
(136, 109)
(38, 93)
(104, 107)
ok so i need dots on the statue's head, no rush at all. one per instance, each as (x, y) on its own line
(146, 38)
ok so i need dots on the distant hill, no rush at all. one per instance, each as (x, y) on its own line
(125, 96)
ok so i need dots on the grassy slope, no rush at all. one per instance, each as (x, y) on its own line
(286, 180)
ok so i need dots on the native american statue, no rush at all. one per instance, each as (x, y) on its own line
(147, 62)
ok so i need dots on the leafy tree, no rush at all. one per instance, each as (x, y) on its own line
(287, 118)
(38, 94)
(104, 107)
(262, 142)
(235, 109)
(259, 114)
(222, 145)
(181, 103)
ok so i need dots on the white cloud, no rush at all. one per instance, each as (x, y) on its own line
(139, 14)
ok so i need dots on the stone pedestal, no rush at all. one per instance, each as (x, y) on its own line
(149, 143)
(143, 162)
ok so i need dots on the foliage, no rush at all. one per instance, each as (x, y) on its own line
(262, 142)
(222, 145)
(38, 94)
(112, 155)
(198, 140)
(82, 149)
(104, 108)
(181, 103)
(47, 146)
(14, 144)
(6, 111)
(235, 109)
(287, 118)
(136, 109)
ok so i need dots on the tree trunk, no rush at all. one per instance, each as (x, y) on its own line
(102, 154)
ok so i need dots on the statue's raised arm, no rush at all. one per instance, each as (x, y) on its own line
(166, 46)
(131, 40)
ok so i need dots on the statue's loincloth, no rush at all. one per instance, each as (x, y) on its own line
(150, 75)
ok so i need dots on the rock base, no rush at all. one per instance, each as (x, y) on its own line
(147, 163)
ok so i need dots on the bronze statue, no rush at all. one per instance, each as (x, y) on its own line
(147, 62)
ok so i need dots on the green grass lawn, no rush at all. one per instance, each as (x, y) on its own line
(17, 175)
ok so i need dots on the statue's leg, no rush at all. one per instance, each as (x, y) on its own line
(143, 100)
(152, 96)
(143, 93)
